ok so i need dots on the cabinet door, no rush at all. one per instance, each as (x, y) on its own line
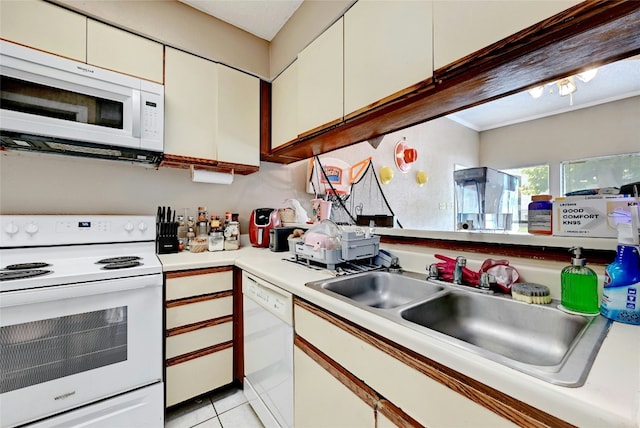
(121, 51)
(387, 48)
(284, 107)
(462, 27)
(238, 138)
(190, 100)
(320, 80)
(43, 26)
(323, 401)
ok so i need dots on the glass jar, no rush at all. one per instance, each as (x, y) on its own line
(216, 241)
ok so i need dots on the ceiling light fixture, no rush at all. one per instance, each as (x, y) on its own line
(587, 75)
(566, 86)
(536, 92)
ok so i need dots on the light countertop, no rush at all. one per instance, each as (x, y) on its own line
(610, 396)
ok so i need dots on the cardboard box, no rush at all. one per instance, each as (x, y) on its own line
(590, 216)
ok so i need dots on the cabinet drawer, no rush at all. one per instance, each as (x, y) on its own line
(190, 341)
(197, 376)
(199, 311)
(196, 285)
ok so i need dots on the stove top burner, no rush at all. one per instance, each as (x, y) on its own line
(122, 264)
(121, 259)
(22, 274)
(33, 265)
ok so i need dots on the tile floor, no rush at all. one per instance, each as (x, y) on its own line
(224, 409)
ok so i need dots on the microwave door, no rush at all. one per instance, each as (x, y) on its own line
(68, 105)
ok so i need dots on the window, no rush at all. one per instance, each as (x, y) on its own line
(598, 173)
(534, 180)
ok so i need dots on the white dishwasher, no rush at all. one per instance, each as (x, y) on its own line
(268, 350)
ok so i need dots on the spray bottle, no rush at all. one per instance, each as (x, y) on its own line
(621, 293)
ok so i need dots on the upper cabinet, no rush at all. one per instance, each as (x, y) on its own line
(284, 106)
(387, 48)
(190, 105)
(212, 112)
(238, 117)
(463, 27)
(115, 49)
(47, 27)
(320, 80)
(44, 26)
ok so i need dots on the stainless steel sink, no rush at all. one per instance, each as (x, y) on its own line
(539, 340)
(378, 289)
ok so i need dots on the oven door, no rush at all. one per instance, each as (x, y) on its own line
(65, 346)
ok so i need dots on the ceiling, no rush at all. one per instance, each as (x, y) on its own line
(262, 18)
(613, 82)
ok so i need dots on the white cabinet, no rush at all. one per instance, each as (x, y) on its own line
(390, 373)
(44, 26)
(191, 107)
(238, 117)
(199, 332)
(284, 107)
(387, 48)
(462, 27)
(320, 80)
(322, 401)
(118, 50)
(212, 112)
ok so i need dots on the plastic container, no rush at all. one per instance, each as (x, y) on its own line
(540, 214)
(579, 286)
(622, 287)
(358, 246)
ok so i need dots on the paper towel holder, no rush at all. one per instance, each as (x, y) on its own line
(211, 177)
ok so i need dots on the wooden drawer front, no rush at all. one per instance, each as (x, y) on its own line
(200, 311)
(198, 339)
(197, 285)
(197, 376)
(428, 401)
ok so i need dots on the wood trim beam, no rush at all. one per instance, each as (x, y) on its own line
(238, 327)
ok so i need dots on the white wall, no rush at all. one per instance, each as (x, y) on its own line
(52, 184)
(441, 144)
(605, 129)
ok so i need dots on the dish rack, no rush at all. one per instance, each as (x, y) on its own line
(354, 246)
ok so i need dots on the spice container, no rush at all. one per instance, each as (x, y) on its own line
(216, 241)
(540, 210)
(232, 236)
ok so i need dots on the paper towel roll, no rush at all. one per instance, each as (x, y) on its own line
(203, 176)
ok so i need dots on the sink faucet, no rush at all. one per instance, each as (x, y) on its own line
(457, 271)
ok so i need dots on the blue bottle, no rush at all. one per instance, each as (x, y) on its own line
(621, 293)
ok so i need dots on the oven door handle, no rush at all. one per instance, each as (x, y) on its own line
(70, 291)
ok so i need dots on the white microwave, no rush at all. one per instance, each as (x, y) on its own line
(56, 105)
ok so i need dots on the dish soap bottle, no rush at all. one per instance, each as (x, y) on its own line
(579, 286)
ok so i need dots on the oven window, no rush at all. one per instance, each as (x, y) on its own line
(41, 351)
(41, 100)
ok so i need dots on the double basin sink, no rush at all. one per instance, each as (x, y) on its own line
(539, 340)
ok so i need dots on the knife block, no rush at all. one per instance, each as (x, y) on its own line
(167, 239)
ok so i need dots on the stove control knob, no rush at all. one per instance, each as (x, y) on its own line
(31, 228)
(142, 226)
(11, 228)
(128, 227)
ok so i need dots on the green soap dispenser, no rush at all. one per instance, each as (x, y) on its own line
(579, 286)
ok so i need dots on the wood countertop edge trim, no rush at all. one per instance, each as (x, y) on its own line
(194, 272)
(198, 299)
(500, 403)
(198, 325)
(199, 353)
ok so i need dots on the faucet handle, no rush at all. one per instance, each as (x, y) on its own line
(433, 271)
